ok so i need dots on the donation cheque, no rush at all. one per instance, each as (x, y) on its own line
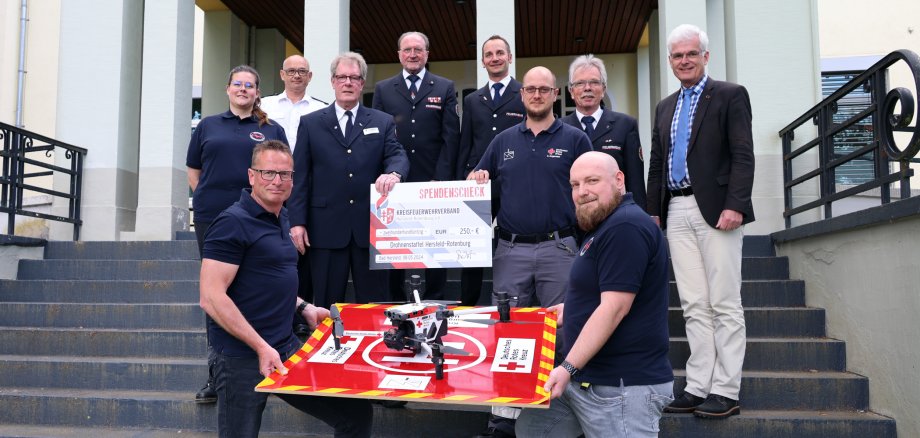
(439, 224)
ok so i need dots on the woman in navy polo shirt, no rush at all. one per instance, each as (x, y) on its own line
(220, 150)
(219, 154)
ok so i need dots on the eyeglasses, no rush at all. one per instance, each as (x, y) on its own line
(411, 50)
(269, 175)
(295, 72)
(581, 84)
(689, 55)
(246, 85)
(343, 78)
(543, 90)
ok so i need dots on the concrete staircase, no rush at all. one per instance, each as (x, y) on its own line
(107, 339)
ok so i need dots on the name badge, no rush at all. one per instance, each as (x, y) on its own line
(369, 131)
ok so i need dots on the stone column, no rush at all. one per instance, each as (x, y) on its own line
(269, 56)
(99, 93)
(225, 47)
(494, 18)
(325, 35)
(166, 112)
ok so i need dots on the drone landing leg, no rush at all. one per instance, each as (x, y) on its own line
(437, 358)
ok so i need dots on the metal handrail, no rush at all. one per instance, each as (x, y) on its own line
(883, 148)
(19, 149)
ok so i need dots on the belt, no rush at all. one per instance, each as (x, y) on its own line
(534, 238)
(686, 191)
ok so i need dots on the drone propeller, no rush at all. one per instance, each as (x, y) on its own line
(451, 350)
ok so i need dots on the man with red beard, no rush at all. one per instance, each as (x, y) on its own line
(616, 318)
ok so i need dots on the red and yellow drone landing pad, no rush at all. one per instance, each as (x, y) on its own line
(508, 362)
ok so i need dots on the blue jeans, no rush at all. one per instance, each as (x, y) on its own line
(239, 406)
(599, 411)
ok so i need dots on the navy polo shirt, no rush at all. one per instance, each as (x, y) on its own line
(265, 286)
(532, 173)
(627, 252)
(221, 147)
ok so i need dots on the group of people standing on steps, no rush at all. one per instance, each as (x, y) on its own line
(281, 193)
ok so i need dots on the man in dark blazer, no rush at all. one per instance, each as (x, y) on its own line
(424, 106)
(484, 117)
(615, 134)
(341, 150)
(699, 187)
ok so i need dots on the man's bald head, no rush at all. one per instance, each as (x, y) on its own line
(598, 187)
(296, 75)
(540, 74)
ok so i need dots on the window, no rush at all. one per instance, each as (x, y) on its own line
(860, 169)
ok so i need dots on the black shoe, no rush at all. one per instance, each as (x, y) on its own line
(494, 433)
(684, 404)
(717, 406)
(207, 394)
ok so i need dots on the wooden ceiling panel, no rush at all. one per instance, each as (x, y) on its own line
(544, 27)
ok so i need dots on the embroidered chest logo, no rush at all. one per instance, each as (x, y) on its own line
(257, 136)
(585, 247)
(509, 154)
(555, 152)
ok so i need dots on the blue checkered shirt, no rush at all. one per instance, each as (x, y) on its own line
(697, 90)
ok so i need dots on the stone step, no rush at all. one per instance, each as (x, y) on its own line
(781, 424)
(819, 390)
(109, 270)
(177, 410)
(755, 293)
(797, 322)
(761, 293)
(777, 354)
(99, 291)
(752, 268)
(28, 431)
(760, 322)
(763, 354)
(136, 250)
(190, 235)
(136, 410)
(104, 316)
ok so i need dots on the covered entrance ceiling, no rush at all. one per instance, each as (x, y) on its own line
(543, 27)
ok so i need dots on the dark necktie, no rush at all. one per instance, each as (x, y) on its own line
(496, 94)
(412, 88)
(347, 129)
(589, 125)
(681, 140)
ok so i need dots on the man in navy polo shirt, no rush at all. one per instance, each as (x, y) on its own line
(249, 289)
(536, 220)
(616, 318)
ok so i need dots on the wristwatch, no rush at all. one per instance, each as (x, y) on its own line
(301, 307)
(397, 175)
(569, 367)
